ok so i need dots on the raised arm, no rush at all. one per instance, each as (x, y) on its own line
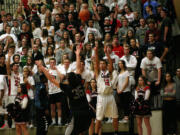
(96, 13)
(47, 74)
(109, 60)
(61, 76)
(78, 60)
(8, 67)
(96, 64)
(116, 12)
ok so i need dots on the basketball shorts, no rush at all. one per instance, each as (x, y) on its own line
(106, 107)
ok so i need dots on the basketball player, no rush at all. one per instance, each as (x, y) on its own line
(78, 103)
(14, 81)
(106, 105)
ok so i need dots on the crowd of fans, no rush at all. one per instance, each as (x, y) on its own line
(136, 34)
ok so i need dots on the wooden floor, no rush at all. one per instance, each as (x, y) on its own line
(59, 130)
(107, 129)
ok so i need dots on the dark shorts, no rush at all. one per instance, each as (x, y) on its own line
(55, 98)
(82, 121)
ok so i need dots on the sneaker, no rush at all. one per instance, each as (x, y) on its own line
(59, 124)
(53, 123)
(4, 126)
(123, 121)
(13, 125)
(31, 126)
(109, 120)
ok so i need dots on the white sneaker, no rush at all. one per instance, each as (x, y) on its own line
(59, 124)
(53, 123)
(13, 125)
(123, 121)
(109, 120)
(31, 126)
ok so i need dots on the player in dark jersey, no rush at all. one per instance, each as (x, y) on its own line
(73, 88)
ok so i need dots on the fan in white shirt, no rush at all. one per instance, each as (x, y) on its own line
(3, 37)
(85, 74)
(93, 30)
(55, 93)
(131, 63)
(151, 67)
(65, 67)
(29, 81)
(115, 58)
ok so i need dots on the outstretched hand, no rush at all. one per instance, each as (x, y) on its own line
(105, 49)
(95, 49)
(10, 53)
(116, 7)
(78, 50)
(94, 7)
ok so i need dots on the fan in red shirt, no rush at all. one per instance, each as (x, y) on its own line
(118, 22)
(26, 6)
(117, 49)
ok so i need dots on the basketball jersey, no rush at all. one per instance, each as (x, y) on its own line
(52, 88)
(76, 95)
(14, 83)
(104, 83)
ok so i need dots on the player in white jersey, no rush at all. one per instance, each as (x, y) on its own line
(106, 105)
(55, 93)
(14, 79)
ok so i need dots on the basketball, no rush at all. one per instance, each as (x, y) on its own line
(84, 14)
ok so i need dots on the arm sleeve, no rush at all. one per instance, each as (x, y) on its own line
(24, 103)
(32, 81)
(132, 64)
(99, 34)
(159, 65)
(136, 95)
(88, 97)
(143, 66)
(58, 57)
(2, 36)
(147, 95)
(39, 32)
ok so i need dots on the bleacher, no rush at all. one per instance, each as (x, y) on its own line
(107, 128)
